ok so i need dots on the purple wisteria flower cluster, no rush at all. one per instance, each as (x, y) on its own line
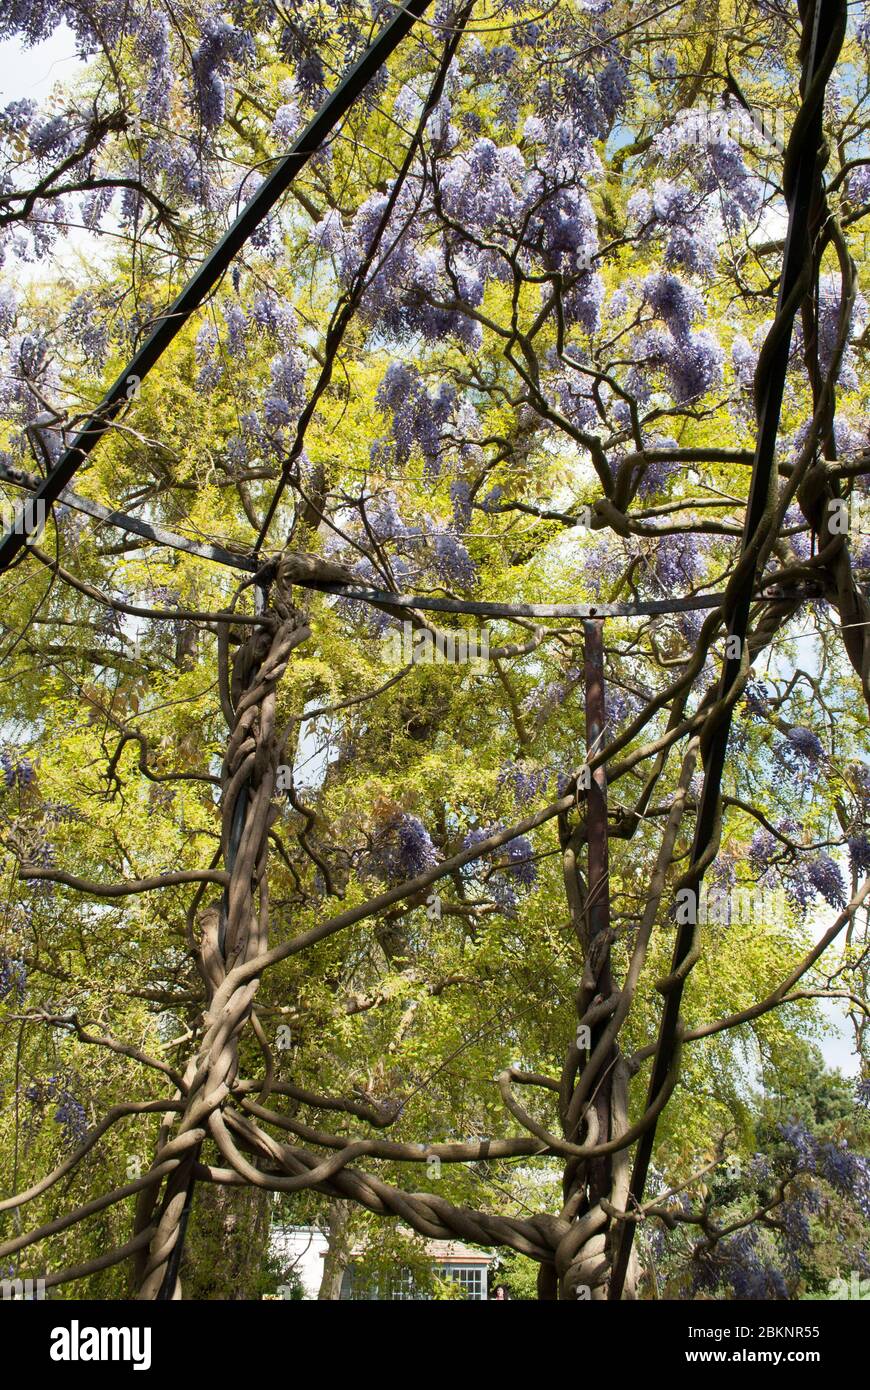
(756, 1266)
(69, 1112)
(525, 781)
(17, 770)
(802, 749)
(266, 319)
(401, 848)
(515, 868)
(741, 1262)
(13, 979)
(802, 877)
(426, 547)
(839, 1165)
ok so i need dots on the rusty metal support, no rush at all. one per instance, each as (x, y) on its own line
(598, 897)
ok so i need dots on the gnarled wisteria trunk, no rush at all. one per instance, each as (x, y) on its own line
(231, 933)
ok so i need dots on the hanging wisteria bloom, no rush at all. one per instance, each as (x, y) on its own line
(17, 770)
(205, 349)
(87, 328)
(656, 475)
(524, 781)
(72, 1118)
(515, 868)
(677, 561)
(237, 327)
(152, 45)
(8, 309)
(827, 878)
(221, 47)
(13, 979)
(287, 123)
(401, 848)
(859, 854)
(679, 217)
(806, 743)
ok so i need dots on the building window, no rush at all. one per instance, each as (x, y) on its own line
(401, 1287)
(470, 1278)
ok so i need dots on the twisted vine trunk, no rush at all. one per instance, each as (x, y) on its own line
(594, 1090)
(231, 933)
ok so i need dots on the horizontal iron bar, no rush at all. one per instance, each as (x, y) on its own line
(125, 522)
(482, 608)
(487, 609)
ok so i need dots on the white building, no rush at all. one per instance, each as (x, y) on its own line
(304, 1247)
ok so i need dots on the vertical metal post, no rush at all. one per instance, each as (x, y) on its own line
(598, 1170)
(598, 896)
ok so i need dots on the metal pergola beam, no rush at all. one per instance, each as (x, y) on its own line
(206, 277)
(484, 608)
(481, 608)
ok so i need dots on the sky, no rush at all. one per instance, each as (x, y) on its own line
(32, 72)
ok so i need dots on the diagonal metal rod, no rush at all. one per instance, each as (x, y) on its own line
(206, 277)
(824, 24)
